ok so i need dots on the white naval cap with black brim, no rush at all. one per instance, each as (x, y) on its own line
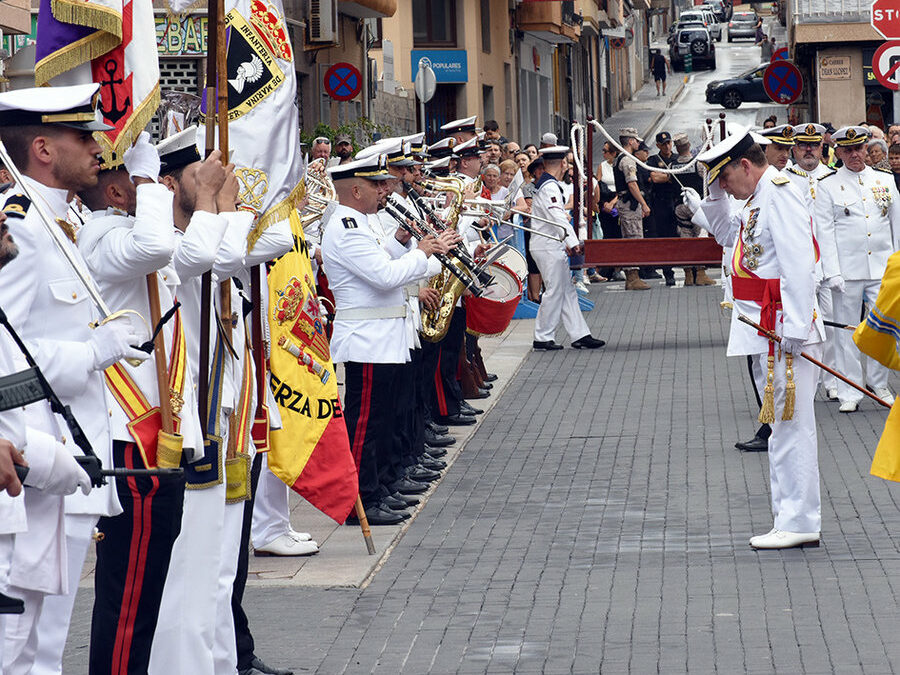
(729, 149)
(76, 106)
(849, 136)
(371, 167)
(457, 126)
(554, 152)
(178, 150)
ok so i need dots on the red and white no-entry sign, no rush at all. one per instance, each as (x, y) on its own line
(886, 18)
(886, 65)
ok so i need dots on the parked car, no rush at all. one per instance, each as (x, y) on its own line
(730, 93)
(707, 18)
(742, 24)
(717, 7)
(675, 27)
(694, 41)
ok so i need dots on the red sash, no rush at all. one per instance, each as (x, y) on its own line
(766, 293)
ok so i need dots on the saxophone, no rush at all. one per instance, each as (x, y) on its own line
(435, 323)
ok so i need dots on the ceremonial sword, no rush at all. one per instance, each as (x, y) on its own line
(772, 337)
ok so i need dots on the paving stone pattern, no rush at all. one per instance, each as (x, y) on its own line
(598, 522)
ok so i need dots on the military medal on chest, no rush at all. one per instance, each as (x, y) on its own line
(752, 249)
(882, 197)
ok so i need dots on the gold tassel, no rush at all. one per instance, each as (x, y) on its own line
(789, 388)
(767, 412)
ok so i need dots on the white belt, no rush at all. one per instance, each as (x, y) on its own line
(411, 291)
(371, 313)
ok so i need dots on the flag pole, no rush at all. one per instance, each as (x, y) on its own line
(213, 11)
(222, 118)
(364, 526)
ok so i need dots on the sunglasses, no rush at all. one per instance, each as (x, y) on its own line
(321, 139)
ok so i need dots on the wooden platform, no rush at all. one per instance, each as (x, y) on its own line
(662, 252)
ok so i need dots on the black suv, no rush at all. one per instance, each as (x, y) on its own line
(695, 41)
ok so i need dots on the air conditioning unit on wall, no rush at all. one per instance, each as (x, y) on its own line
(323, 20)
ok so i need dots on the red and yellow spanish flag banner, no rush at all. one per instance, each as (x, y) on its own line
(878, 336)
(311, 452)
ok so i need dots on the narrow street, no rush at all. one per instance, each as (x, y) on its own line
(597, 518)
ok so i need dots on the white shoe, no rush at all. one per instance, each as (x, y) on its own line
(581, 288)
(761, 536)
(885, 395)
(286, 545)
(782, 539)
(585, 279)
(299, 536)
(849, 406)
(831, 393)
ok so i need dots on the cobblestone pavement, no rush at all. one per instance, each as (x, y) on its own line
(598, 521)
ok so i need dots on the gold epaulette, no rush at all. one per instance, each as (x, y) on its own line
(797, 172)
(781, 180)
(16, 206)
(883, 170)
(826, 175)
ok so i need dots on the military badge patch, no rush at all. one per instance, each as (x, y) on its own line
(253, 49)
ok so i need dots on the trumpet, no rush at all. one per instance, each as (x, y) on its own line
(502, 205)
(513, 225)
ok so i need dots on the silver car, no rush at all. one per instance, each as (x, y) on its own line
(742, 25)
(707, 18)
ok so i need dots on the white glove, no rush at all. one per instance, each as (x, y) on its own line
(142, 159)
(715, 191)
(691, 199)
(114, 341)
(835, 283)
(792, 345)
(66, 476)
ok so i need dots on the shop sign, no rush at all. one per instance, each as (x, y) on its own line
(450, 66)
(181, 36)
(834, 67)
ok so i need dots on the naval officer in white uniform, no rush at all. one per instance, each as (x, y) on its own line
(858, 214)
(774, 285)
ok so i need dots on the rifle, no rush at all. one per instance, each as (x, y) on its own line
(30, 386)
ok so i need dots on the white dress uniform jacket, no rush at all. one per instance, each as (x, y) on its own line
(121, 251)
(12, 429)
(549, 203)
(807, 183)
(50, 308)
(777, 216)
(858, 215)
(363, 275)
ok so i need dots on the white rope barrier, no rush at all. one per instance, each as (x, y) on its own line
(686, 168)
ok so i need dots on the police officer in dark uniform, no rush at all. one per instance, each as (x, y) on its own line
(665, 196)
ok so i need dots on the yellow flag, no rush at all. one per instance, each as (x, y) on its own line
(879, 333)
(311, 452)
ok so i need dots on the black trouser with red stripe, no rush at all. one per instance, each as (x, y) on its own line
(409, 432)
(370, 410)
(448, 393)
(132, 562)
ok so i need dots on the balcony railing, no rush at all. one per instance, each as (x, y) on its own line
(832, 11)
